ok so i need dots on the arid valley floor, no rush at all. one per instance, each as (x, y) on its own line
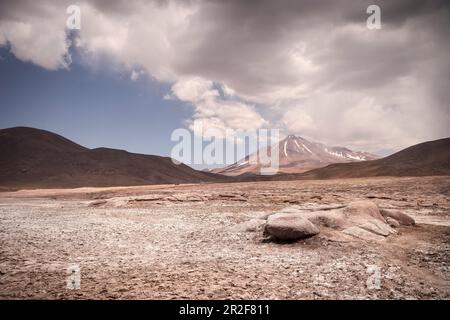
(204, 242)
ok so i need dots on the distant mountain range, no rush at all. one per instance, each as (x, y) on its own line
(297, 154)
(430, 158)
(33, 158)
(424, 159)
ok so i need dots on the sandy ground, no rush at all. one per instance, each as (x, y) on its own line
(194, 241)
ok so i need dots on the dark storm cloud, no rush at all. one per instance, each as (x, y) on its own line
(243, 41)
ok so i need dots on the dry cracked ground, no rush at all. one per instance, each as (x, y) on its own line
(199, 242)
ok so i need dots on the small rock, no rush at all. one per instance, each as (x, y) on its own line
(401, 217)
(97, 203)
(392, 222)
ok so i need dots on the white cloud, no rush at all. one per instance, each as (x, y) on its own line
(40, 39)
(194, 89)
(214, 111)
(134, 76)
(145, 35)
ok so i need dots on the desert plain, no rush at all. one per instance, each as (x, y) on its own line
(206, 241)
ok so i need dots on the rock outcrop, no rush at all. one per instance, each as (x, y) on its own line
(359, 219)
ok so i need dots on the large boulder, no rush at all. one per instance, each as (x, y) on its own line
(401, 217)
(366, 215)
(286, 226)
(364, 209)
(334, 219)
(360, 219)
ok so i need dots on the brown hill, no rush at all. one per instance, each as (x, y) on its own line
(33, 158)
(425, 159)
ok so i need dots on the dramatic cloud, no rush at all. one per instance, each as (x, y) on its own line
(36, 34)
(308, 67)
(215, 110)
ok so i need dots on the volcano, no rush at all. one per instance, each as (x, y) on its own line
(296, 155)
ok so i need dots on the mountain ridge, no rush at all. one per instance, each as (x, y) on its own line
(35, 158)
(430, 158)
(426, 158)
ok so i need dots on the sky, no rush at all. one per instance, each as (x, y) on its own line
(136, 71)
(93, 107)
